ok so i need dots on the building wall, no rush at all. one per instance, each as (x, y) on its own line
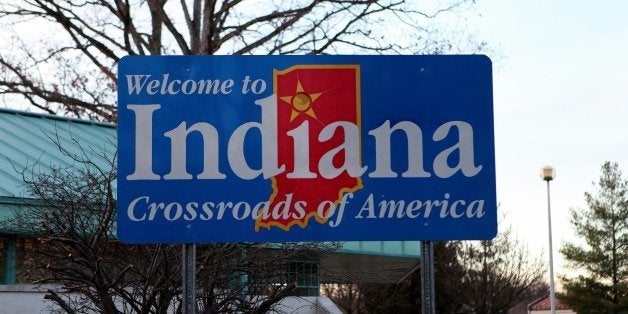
(3, 261)
(550, 312)
(23, 299)
(29, 299)
(18, 267)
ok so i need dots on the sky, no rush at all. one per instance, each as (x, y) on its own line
(561, 99)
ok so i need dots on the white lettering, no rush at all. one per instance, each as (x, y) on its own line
(130, 210)
(171, 86)
(135, 83)
(268, 129)
(454, 206)
(300, 210)
(444, 204)
(383, 150)
(413, 209)
(261, 210)
(369, 207)
(476, 209)
(391, 207)
(301, 139)
(188, 87)
(143, 142)
(326, 209)
(236, 210)
(178, 152)
(350, 147)
(178, 210)
(345, 157)
(207, 211)
(466, 161)
(282, 209)
(341, 209)
(222, 207)
(190, 211)
(397, 209)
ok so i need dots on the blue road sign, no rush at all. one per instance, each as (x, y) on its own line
(305, 148)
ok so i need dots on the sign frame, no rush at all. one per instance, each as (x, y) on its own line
(431, 116)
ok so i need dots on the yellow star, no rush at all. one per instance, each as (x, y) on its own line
(301, 102)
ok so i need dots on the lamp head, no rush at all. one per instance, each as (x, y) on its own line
(548, 173)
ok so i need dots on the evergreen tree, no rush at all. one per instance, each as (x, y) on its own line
(603, 288)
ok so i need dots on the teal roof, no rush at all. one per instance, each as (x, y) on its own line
(389, 248)
(27, 142)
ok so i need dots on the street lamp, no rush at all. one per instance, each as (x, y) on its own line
(548, 174)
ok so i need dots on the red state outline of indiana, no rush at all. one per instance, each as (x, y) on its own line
(319, 92)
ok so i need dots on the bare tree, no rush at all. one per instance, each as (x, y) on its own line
(72, 215)
(67, 64)
(471, 277)
(70, 68)
(348, 297)
(405, 296)
(498, 274)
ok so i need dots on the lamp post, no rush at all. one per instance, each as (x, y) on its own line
(548, 174)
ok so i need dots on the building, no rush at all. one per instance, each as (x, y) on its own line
(28, 140)
(543, 306)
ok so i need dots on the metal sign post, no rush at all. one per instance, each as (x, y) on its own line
(189, 278)
(428, 298)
